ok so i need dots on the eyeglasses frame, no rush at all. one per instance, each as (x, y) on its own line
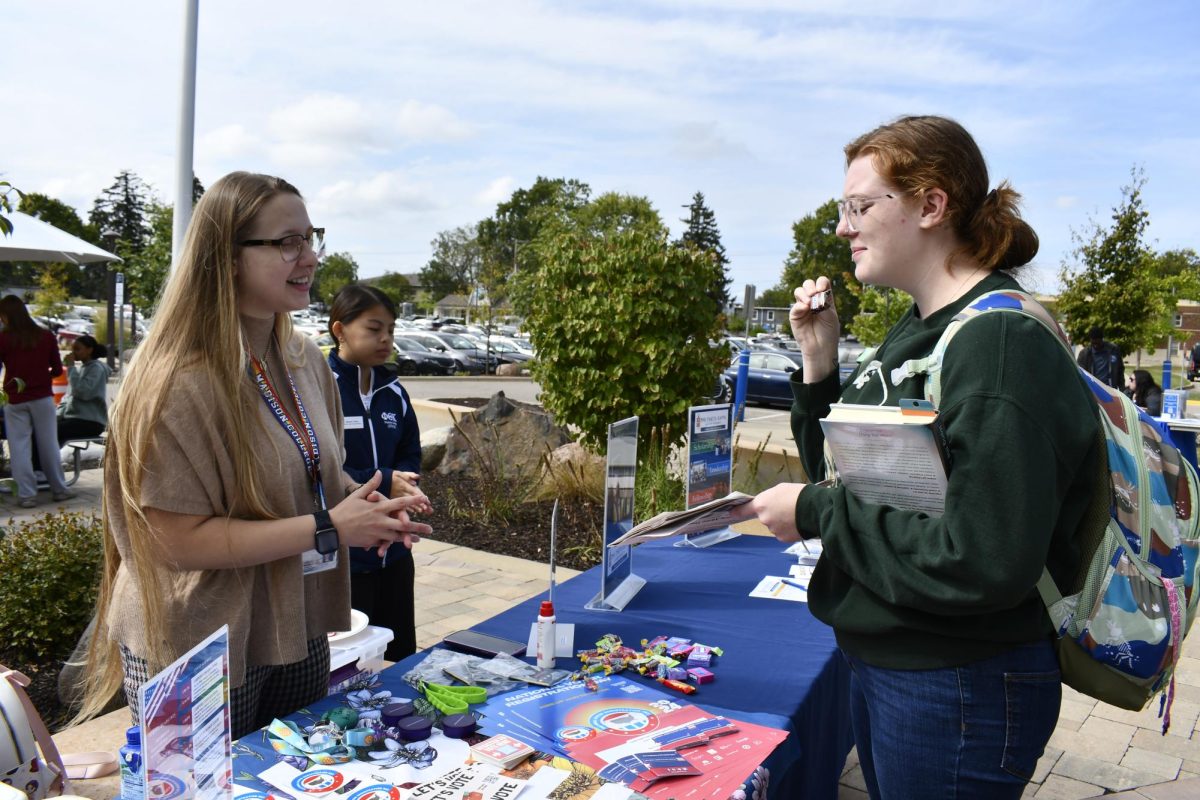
(849, 207)
(278, 243)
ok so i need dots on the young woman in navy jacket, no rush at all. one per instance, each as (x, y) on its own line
(381, 433)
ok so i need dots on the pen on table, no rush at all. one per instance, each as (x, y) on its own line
(796, 584)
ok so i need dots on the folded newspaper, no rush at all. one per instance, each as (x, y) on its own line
(714, 514)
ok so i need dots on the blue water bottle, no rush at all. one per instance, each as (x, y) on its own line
(133, 784)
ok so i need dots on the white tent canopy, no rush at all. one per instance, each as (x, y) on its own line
(34, 240)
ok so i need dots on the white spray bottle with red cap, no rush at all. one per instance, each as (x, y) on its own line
(546, 640)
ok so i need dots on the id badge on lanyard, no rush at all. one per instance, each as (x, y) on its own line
(305, 439)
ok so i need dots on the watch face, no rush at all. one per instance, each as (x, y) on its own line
(327, 541)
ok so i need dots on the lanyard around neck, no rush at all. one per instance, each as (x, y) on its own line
(302, 433)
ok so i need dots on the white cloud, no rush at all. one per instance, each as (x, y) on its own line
(229, 142)
(425, 122)
(1066, 201)
(703, 141)
(497, 191)
(378, 195)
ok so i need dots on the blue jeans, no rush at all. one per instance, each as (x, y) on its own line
(974, 731)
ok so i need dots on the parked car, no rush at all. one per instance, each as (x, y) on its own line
(467, 344)
(423, 360)
(409, 358)
(768, 380)
(509, 350)
(464, 360)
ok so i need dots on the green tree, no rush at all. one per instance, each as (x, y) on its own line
(879, 308)
(395, 286)
(612, 212)
(455, 264)
(1116, 286)
(703, 234)
(52, 299)
(621, 321)
(146, 270)
(335, 271)
(1182, 268)
(516, 222)
(818, 250)
(123, 209)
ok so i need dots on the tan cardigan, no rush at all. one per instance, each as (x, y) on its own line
(272, 610)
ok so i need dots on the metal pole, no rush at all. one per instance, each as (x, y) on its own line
(184, 173)
(112, 293)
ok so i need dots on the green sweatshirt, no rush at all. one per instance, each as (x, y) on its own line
(904, 590)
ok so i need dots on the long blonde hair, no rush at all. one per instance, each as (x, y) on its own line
(196, 328)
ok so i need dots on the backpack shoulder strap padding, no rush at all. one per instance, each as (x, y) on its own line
(1003, 300)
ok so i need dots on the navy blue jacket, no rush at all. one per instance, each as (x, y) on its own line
(381, 434)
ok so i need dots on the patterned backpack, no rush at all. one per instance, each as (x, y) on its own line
(1121, 625)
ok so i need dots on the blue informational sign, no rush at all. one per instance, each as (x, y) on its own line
(618, 584)
(710, 453)
(186, 726)
(709, 465)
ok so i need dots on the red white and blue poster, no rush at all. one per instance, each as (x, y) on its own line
(185, 725)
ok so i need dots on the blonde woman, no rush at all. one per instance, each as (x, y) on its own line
(225, 499)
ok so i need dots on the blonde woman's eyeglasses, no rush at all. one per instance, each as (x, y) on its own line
(290, 247)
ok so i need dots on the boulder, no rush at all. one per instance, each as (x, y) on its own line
(504, 439)
(509, 370)
(433, 447)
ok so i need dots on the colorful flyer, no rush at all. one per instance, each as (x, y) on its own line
(720, 751)
(710, 447)
(186, 744)
(569, 712)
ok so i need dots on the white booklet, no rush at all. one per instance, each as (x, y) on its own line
(890, 455)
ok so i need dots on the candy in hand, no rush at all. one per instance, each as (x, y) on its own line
(818, 302)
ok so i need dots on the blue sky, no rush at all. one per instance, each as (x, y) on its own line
(400, 120)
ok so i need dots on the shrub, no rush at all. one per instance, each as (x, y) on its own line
(49, 575)
(622, 323)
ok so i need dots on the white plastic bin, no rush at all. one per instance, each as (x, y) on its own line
(365, 647)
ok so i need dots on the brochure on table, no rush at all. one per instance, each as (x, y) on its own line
(618, 584)
(186, 743)
(710, 466)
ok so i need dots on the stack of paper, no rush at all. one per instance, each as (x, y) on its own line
(502, 750)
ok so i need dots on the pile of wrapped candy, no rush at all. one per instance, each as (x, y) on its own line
(672, 661)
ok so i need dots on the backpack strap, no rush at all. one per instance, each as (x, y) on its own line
(18, 681)
(1006, 300)
(1014, 302)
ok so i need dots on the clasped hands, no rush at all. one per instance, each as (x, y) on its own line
(367, 518)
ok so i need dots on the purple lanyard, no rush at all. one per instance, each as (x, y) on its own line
(305, 441)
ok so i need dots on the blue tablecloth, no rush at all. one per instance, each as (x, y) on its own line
(780, 666)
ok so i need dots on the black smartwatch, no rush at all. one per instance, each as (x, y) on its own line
(326, 539)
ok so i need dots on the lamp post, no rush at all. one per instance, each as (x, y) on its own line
(110, 237)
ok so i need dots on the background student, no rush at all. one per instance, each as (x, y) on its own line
(30, 357)
(381, 434)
